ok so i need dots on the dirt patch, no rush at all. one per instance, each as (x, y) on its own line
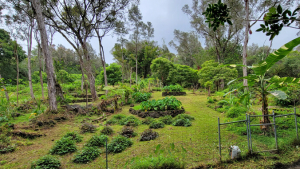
(24, 134)
(156, 114)
(173, 93)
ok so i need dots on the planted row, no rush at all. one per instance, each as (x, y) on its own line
(173, 88)
(140, 97)
(168, 103)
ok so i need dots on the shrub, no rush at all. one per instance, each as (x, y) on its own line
(182, 122)
(116, 119)
(86, 155)
(140, 97)
(46, 162)
(148, 135)
(234, 112)
(107, 130)
(97, 141)
(74, 136)
(160, 162)
(223, 103)
(173, 88)
(127, 131)
(168, 103)
(130, 121)
(156, 125)
(148, 120)
(87, 128)
(63, 146)
(184, 116)
(5, 143)
(210, 100)
(166, 119)
(119, 144)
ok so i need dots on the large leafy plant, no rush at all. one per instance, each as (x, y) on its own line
(173, 88)
(168, 103)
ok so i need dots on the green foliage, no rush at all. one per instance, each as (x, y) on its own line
(167, 103)
(210, 100)
(159, 162)
(160, 67)
(148, 135)
(113, 73)
(183, 120)
(86, 155)
(63, 146)
(156, 125)
(127, 131)
(107, 130)
(168, 120)
(223, 103)
(74, 136)
(183, 74)
(97, 141)
(63, 77)
(293, 96)
(46, 162)
(87, 128)
(173, 88)
(119, 144)
(36, 77)
(234, 112)
(130, 121)
(116, 119)
(140, 97)
(148, 120)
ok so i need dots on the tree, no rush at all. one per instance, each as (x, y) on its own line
(183, 75)
(160, 68)
(48, 59)
(114, 74)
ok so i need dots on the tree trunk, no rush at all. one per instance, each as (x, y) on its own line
(82, 73)
(40, 71)
(123, 72)
(130, 75)
(136, 64)
(29, 43)
(208, 91)
(245, 83)
(102, 57)
(48, 58)
(6, 94)
(265, 111)
(17, 59)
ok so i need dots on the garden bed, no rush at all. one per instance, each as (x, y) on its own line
(156, 114)
(173, 93)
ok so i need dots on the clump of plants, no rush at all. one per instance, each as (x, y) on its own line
(5, 141)
(235, 111)
(74, 136)
(168, 120)
(86, 155)
(148, 120)
(159, 162)
(130, 121)
(47, 161)
(107, 130)
(63, 146)
(173, 88)
(97, 141)
(183, 120)
(148, 135)
(116, 119)
(128, 131)
(156, 125)
(119, 144)
(140, 97)
(87, 128)
(168, 103)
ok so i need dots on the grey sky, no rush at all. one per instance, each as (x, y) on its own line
(166, 15)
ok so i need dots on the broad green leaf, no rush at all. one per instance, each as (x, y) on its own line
(278, 94)
(157, 148)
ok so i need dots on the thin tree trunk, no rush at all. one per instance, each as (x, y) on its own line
(29, 43)
(130, 75)
(136, 64)
(122, 63)
(208, 91)
(102, 57)
(48, 58)
(40, 71)
(17, 59)
(265, 111)
(82, 73)
(6, 94)
(245, 83)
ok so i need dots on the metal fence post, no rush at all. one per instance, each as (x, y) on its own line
(275, 130)
(219, 138)
(247, 132)
(250, 133)
(296, 123)
(106, 154)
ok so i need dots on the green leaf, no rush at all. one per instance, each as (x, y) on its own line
(172, 146)
(157, 148)
(279, 9)
(278, 94)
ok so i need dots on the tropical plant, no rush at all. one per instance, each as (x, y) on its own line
(47, 162)
(168, 103)
(97, 141)
(86, 155)
(140, 97)
(173, 88)
(119, 144)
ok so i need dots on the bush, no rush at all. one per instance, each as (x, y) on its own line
(87, 128)
(119, 144)
(63, 146)
(156, 125)
(148, 120)
(148, 135)
(130, 121)
(160, 162)
(127, 131)
(107, 130)
(46, 162)
(86, 155)
(210, 100)
(167, 103)
(223, 103)
(74, 136)
(140, 97)
(184, 116)
(234, 112)
(97, 141)
(116, 119)
(182, 122)
(168, 120)
(173, 88)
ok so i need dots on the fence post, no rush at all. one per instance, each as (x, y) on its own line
(250, 134)
(106, 154)
(275, 130)
(247, 132)
(296, 123)
(219, 139)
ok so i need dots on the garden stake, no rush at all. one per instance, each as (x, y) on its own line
(106, 154)
(219, 139)
(247, 131)
(296, 123)
(250, 134)
(275, 130)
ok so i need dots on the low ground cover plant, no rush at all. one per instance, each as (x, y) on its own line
(130, 121)
(159, 162)
(140, 97)
(87, 128)
(148, 135)
(128, 131)
(63, 146)
(86, 155)
(157, 124)
(168, 120)
(119, 144)
(168, 103)
(183, 120)
(74, 136)
(148, 120)
(235, 111)
(46, 162)
(97, 141)
(107, 130)
(116, 119)
(173, 88)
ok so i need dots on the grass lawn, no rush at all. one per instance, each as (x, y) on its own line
(199, 140)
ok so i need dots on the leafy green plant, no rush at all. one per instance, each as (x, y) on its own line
(86, 155)
(63, 146)
(97, 141)
(148, 120)
(148, 135)
(107, 130)
(234, 112)
(74, 136)
(168, 103)
(116, 119)
(130, 121)
(46, 162)
(182, 122)
(173, 88)
(156, 125)
(119, 144)
(166, 119)
(87, 128)
(140, 97)
(184, 116)
(128, 131)
(159, 162)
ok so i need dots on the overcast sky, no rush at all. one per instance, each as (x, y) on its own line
(166, 15)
